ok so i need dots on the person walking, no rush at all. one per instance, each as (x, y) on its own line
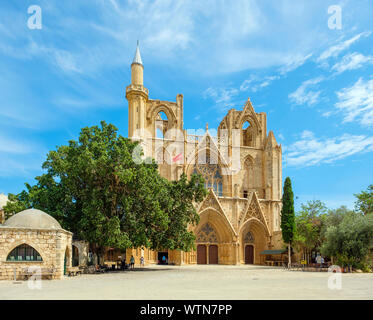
(132, 262)
(318, 260)
(142, 262)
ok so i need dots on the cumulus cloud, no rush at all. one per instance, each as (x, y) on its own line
(356, 102)
(310, 150)
(304, 94)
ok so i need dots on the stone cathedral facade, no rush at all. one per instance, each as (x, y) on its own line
(241, 165)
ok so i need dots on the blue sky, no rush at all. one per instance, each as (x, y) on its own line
(315, 83)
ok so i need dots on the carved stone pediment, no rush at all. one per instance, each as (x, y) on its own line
(253, 210)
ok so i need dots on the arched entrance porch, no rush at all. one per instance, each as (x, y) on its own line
(214, 239)
(253, 239)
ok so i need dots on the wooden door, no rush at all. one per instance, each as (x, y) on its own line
(201, 254)
(249, 254)
(213, 254)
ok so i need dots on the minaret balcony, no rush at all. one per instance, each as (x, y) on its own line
(137, 88)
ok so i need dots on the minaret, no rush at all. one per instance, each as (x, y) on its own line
(137, 96)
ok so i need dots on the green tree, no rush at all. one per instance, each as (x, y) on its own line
(332, 218)
(349, 241)
(309, 222)
(17, 203)
(288, 216)
(364, 202)
(94, 189)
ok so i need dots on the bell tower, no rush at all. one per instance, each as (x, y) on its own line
(137, 96)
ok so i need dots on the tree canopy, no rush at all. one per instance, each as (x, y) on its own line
(309, 221)
(350, 240)
(94, 189)
(364, 202)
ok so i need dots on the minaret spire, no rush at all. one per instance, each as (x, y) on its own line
(137, 58)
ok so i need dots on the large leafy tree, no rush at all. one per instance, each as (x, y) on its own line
(350, 240)
(288, 216)
(94, 189)
(332, 218)
(309, 222)
(364, 202)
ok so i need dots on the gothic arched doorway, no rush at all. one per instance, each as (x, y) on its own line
(249, 254)
(201, 254)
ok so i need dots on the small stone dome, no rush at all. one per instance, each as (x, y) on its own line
(32, 219)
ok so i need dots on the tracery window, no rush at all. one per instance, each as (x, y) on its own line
(249, 238)
(207, 234)
(24, 252)
(211, 172)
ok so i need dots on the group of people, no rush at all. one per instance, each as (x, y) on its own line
(132, 262)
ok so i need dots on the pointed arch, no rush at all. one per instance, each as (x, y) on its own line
(257, 240)
(161, 125)
(169, 113)
(219, 219)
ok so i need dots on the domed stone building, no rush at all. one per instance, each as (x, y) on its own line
(33, 238)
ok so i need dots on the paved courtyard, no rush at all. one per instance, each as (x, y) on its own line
(196, 282)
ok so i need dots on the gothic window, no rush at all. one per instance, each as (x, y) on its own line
(249, 238)
(161, 125)
(247, 134)
(207, 234)
(245, 194)
(211, 174)
(24, 252)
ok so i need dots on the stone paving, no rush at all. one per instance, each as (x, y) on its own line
(196, 282)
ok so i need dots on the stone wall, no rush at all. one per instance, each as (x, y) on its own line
(51, 245)
(2, 216)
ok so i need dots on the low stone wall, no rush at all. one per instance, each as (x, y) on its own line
(51, 245)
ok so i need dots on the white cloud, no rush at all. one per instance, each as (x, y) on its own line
(63, 59)
(334, 51)
(255, 83)
(197, 35)
(303, 95)
(222, 97)
(295, 63)
(352, 61)
(356, 102)
(310, 150)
